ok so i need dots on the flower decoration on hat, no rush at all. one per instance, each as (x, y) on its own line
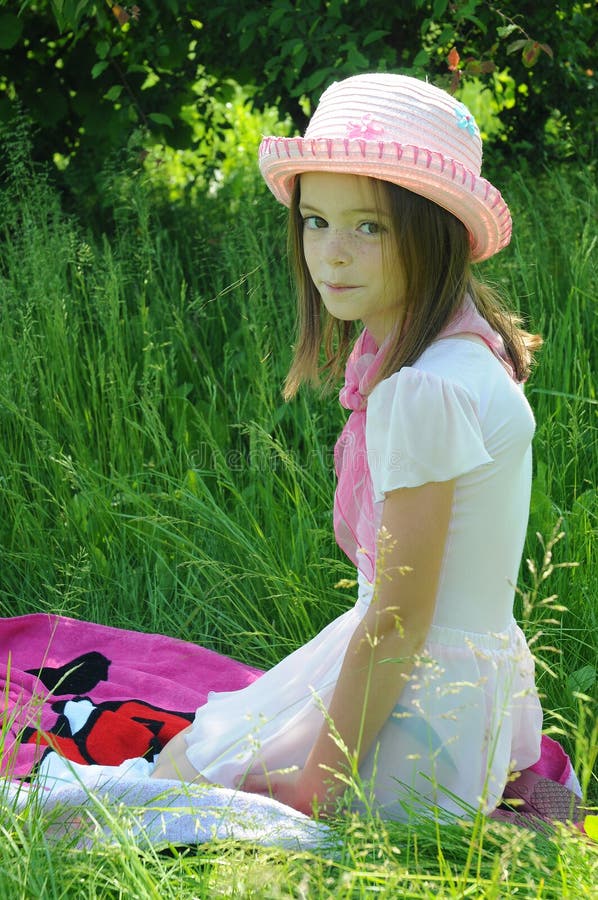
(366, 129)
(465, 119)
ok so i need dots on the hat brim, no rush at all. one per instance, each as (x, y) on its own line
(469, 197)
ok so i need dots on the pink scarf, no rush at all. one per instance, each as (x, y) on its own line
(354, 517)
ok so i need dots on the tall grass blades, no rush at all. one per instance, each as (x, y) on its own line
(552, 271)
(151, 477)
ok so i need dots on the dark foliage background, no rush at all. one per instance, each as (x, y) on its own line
(99, 78)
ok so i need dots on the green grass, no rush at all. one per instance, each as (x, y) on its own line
(152, 478)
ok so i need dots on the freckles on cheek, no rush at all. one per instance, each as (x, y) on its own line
(310, 259)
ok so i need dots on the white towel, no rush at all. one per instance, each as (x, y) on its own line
(101, 802)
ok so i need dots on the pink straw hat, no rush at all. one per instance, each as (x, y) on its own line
(402, 130)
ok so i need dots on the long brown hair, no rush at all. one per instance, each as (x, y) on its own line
(433, 248)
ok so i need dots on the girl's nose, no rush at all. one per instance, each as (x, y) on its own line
(337, 251)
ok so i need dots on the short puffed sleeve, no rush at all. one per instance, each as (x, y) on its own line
(421, 428)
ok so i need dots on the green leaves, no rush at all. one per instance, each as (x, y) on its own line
(114, 92)
(11, 28)
(112, 67)
(161, 119)
(102, 49)
(530, 51)
(374, 36)
(504, 31)
(98, 68)
(582, 680)
(69, 13)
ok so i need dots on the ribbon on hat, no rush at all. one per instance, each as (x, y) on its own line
(354, 515)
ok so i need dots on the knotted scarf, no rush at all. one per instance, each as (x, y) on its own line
(354, 515)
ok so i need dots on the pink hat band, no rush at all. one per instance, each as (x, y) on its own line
(402, 130)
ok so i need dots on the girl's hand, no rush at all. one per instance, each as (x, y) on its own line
(290, 787)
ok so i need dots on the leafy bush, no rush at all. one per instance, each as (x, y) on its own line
(96, 77)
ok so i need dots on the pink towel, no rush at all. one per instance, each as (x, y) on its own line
(99, 694)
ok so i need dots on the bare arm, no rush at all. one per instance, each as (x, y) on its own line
(380, 654)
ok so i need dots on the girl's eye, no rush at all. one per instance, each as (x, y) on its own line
(371, 228)
(314, 222)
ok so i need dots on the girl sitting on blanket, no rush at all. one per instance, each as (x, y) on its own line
(424, 690)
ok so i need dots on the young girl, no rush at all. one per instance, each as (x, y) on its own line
(426, 686)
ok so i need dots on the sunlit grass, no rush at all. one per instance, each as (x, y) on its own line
(151, 477)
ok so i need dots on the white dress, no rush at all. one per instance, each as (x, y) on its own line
(469, 713)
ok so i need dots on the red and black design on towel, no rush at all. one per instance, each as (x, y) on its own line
(97, 694)
(107, 732)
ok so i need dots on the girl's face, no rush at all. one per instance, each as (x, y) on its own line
(349, 249)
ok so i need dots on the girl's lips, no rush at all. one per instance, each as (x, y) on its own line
(339, 287)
